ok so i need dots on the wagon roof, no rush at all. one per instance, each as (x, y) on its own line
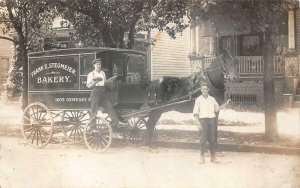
(82, 51)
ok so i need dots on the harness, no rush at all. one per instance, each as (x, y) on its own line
(211, 86)
(219, 66)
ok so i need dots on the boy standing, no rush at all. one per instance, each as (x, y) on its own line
(204, 113)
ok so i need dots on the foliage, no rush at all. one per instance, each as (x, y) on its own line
(258, 14)
(14, 79)
(105, 23)
(115, 23)
(31, 20)
(171, 16)
(28, 21)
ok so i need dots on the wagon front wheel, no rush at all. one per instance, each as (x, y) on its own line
(137, 134)
(38, 125)
(98, 135)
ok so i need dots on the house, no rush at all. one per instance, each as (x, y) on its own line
(6, 53)
(246, 47)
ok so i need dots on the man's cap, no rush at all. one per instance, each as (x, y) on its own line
(99, 60)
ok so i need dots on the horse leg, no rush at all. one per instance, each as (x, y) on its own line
(153, 119)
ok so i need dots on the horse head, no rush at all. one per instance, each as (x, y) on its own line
(228, 65)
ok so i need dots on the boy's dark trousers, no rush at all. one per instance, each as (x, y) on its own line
(208, 133)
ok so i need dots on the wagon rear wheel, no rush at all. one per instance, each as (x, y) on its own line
(73, 124)
(98, 135)
(137, 134)
(38, 125)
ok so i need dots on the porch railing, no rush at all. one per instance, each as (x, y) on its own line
(253, 66)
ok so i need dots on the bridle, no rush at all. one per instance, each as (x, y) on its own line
(219, 66)
(214, 67)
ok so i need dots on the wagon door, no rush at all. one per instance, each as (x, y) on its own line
(132, 92)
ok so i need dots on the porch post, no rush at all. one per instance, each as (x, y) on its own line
(193, 40)
(291, 30)
(212, 46)
(198, 39)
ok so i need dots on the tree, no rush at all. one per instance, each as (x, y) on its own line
(262, 16)
(106, 23)
(29, 21)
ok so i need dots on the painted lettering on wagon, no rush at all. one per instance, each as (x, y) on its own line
(53, 66)
(53, 76)
(72, 99)
(53, 79)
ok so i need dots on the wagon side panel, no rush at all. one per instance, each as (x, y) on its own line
(55, 82)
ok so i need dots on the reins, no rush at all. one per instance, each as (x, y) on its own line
(211, 85)
(220, 66)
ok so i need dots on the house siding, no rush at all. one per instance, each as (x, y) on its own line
(5, 48)
(6, 52)
(169, 57)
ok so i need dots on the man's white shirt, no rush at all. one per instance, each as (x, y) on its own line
(95, 74)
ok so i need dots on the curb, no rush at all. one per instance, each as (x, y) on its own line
(194, 145)
(231, 147)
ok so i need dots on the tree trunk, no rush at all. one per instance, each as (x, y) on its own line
(131, 41)
(271, 131)
(24, 59)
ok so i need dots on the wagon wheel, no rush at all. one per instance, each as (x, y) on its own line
(98, 134)
(73, 124)
(38, 125)
(137, 134)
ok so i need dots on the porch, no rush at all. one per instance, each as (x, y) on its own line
(249, 88)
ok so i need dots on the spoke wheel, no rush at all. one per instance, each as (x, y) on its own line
(73, 122)
(38, 125)
(137, 134)
(98, 135)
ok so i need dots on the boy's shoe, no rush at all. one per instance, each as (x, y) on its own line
(202, 160)
(213, 159)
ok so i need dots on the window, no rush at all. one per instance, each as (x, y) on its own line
(251, 45)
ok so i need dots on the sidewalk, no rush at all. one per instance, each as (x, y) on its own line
(238, 131)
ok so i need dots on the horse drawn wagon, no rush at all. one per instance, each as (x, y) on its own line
(59, 99)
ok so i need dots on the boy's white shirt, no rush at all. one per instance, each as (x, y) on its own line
(206, 107)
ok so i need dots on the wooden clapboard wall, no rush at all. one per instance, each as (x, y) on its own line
(169, 57)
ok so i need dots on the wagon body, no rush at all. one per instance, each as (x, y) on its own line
(58, 78)
(59, 99)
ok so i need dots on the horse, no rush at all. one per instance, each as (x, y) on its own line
(168, 90)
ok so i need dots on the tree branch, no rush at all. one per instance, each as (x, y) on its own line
(6, 38)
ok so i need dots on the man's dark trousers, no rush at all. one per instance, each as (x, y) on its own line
(99, 98)
(208, 133)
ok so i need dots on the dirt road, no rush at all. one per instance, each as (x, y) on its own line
(74, 166)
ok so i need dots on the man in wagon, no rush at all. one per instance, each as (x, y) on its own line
(96, 80)
(204, 112)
